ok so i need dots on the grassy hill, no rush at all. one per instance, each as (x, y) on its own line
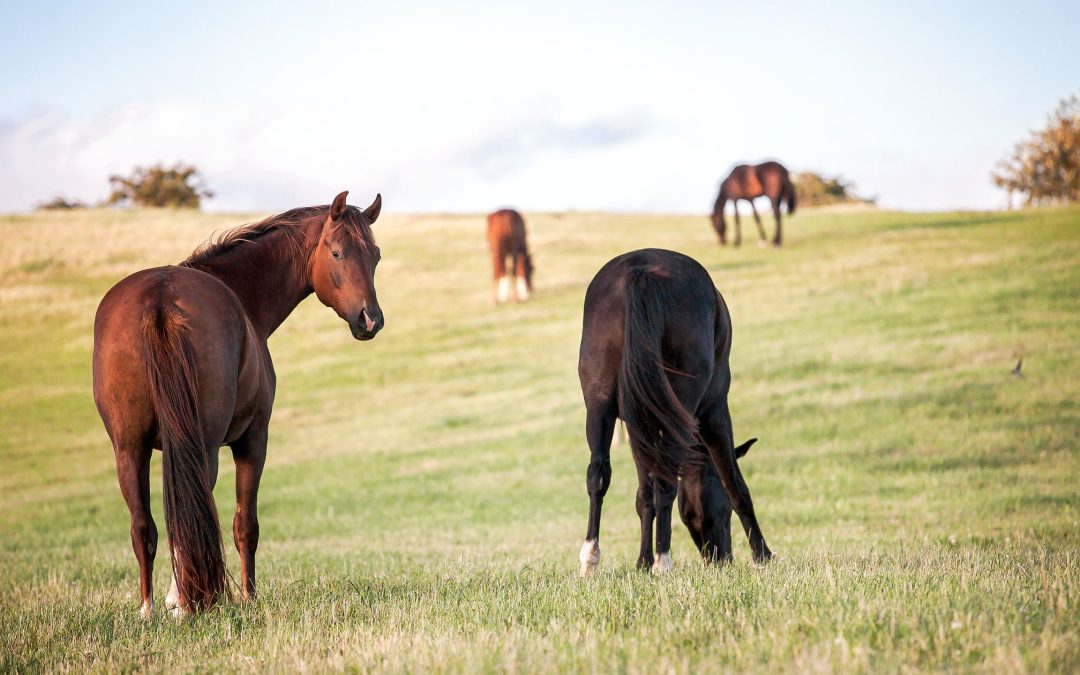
(424, 499)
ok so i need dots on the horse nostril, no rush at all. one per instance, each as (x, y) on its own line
(369, 323)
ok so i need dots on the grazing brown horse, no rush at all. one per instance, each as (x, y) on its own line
(506, 239)
(750, 182)
(654, 351)
(181, 365)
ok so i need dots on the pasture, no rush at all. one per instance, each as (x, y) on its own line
(423, 501)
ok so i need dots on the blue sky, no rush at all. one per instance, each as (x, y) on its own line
(578, 105)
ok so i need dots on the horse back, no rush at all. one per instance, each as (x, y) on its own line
(772, 176)
(506, 231)
(691, 318)
(230, 372)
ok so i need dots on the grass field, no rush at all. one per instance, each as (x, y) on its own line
(424, 500)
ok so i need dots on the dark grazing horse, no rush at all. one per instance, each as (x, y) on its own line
(750, 182)
(506, 239)
(703, 507)
(181, 365)
(654, 351)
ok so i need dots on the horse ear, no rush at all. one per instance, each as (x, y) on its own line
(372, 212)
(744, 448)
(338, 207)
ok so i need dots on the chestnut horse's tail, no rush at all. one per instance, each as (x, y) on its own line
(190, 515)
(789, 194)
(662, 433)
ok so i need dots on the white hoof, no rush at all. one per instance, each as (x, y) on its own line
(522, 289)
(663, 563)
(589, 557)
(503, 292)
(147, 609)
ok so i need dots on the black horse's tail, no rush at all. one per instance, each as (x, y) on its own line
(191, 518)
(789, 189)
(662, 433)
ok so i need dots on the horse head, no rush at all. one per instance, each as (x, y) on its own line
(343, 266)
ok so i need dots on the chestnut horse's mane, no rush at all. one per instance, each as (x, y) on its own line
(288, 223)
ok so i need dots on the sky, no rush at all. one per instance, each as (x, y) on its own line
(543, 106)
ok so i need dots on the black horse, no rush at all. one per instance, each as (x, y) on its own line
(654, 351)
(703, 507)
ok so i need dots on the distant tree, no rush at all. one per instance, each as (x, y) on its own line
(817, 190)
(59, 203)
(179, 186)
(1046, 167)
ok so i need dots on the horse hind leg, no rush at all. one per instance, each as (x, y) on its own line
(501, 288)
(172, 598)
(776, 215)
(599, 425)
(521, 289)
(133, 474)
(249, 453)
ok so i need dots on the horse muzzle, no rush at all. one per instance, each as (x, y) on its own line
(366, 324)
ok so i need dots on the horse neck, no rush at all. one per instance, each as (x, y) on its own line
(270, 275)
(721, 199)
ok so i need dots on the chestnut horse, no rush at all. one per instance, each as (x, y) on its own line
(769, 179)
(506, 239)
(654, 351)
(181, 365)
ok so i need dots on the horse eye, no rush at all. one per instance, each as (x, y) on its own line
(336, 254)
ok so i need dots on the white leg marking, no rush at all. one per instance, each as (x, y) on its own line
(172, 598)
(589, 557)
(504, 289)
(147, 608)
(522, 289)
(663, 563)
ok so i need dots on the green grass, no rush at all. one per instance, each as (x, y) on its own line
(424, 499)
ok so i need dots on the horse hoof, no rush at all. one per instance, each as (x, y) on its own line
(147, 610)
(663, 563)
(589, 557)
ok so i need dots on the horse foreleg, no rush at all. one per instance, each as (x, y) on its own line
(717, 434)
(663, 499)
(249, 453)
(646, 511)
(133, 473)
(738, 225)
